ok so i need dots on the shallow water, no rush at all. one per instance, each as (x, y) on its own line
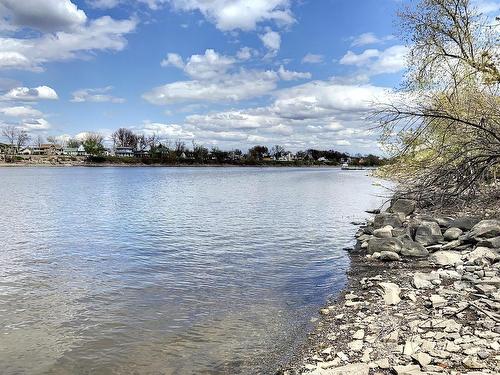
(169, 271)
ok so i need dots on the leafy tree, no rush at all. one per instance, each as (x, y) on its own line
(93, 144)
(258, 152)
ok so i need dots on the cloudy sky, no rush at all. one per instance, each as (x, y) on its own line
(232, 73)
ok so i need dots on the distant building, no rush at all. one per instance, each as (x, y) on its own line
(75, 151)
(323, 159)
(288, 156)
(48, 149)
(124, 152)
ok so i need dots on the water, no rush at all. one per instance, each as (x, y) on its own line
(169, 271)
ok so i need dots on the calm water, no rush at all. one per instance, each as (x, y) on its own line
(168, 271)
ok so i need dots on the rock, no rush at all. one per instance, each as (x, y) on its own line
(384, 232)
(452, 233)
(387, 218)
(445, 258)
(451, 245)
(449, 275)
(437, 301)
(405, 206)
(410, 348)
(490, 242)
(351, 369)
(384, 244)
(428, 233)
(407, 370)
(464, 223)
(412, 248)
(359, 334)
(356, 345)
(485, 229)
(472, 363)
(383, 363)
(483, 252)
(390, 293)
(424, 280)
(423, 359)
(389, 256)
(324, 311)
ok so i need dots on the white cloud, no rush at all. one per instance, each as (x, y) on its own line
(102, 34)
(173, 59)
(288, 75)
(236, 14)
(98, 95)
(103, 4)
(15, 60)
(35, 124)
(369, 38)
(228, 88)
(21, 111)
(271, 40)
(246, 53)
(46, 15)
(311, 58)
(487, 6)
(390, 60)
(30, 94)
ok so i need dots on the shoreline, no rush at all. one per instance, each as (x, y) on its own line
(432, 306)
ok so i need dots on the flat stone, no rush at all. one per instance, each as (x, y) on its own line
(437, 301)
(445, 258)
(490, 242)
(410, 347)
(485, 229)
(483, 252)
(359, 334)
(383, 363)
(356, 345)
(464, 223)
(407, 370)
(422, 358)
(472, 363)
(424, 280)
(390, 293)
(351, 369)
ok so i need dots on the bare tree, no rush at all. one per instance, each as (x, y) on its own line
(444, 129)
(17, 137)
(124, 137)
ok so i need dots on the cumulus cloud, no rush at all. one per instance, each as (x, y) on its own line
(30, 94)
(35, 124)
(103, 4)
(46, 15)
(271, 40)
(101, 34)
(228, 88)
(311, 58)
(173, 59)
(236, 14)
(369, 38)
(98, 95)
(208, 66)
(390, 60)
(288, 75)
(246, 53)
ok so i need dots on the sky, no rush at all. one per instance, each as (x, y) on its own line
(226, 73)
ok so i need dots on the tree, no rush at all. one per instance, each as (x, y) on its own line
(93, 144)
(124, 137)
(17, 137)
(257, 152)
(278, 151)
(444, 128)
(74, 143)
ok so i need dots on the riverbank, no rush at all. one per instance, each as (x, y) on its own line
(422, 298)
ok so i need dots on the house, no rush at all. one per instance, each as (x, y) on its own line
(75, 151)
(286, 157)
(48, 149)
(124, 152)
(26, 151)
(323, 160)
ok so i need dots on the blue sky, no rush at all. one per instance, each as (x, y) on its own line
(230, 73)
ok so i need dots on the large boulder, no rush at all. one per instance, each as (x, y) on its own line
(452, 234)
(387, 218)
(485, 229)
(428, 233)
(384, 232)
(445, 258)
(385, 244)
(412, 248)
(405, 206)
(464, 222)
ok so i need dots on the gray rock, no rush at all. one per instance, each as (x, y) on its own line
(405, 206)
(408, 370)
(389, 256)
(412, 248)
(464, 223)
(423, 359)
(483, 252)
(445, 258)
(387, 218)
(425, 280)
(384, 232)
(385, 244)
(390, 293)
(351, 369)
(485, 229)
(452, 233)
(428, 233)
(490, 242)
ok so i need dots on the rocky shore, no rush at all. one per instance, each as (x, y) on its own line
(423, 298)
